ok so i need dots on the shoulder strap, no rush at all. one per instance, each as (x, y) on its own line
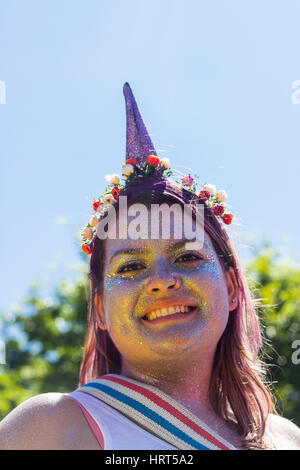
(156, 411)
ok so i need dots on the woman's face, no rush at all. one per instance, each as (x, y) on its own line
(146, 276)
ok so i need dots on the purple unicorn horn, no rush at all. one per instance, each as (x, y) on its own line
(138, 142)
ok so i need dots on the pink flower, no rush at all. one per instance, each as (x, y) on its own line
(88, 233)
(187, 180)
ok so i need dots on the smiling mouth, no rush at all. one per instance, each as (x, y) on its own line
(173, 312)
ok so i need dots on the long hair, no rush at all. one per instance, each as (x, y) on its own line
(239, 393)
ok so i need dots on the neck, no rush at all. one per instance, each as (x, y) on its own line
(187, 382)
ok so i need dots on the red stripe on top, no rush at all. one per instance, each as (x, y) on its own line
(163, 404)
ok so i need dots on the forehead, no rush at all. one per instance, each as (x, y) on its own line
(158, 245)
(167, 242)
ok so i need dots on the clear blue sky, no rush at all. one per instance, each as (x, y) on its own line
(213, 82)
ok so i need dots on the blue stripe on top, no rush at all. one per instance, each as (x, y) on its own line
(148, 413)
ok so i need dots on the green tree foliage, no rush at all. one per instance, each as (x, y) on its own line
(277, 284)
(47, 357)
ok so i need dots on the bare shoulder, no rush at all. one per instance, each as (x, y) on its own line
(284, 432)
(47, 421)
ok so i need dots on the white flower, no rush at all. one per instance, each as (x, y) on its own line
(210, 188)
(221, 195)
(165, 162)
(113, 179)
(187, 180)
(94, 221)
(108, 199)
(127, 169)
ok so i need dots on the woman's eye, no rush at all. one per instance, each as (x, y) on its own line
(130, 267)
(187, 257)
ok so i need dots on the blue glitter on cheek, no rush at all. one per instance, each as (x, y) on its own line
(209, 270)
(212, 268)
(112, 281)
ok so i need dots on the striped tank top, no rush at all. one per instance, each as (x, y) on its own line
(112, 429)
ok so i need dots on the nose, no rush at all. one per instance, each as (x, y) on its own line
(163, 282)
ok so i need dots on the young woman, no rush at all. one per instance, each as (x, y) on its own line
(171, 358)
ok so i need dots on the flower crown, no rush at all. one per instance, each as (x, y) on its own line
(134, 170)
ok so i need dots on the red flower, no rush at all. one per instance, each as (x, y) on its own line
(218, 210)
(227, 218)
(204, 194)
(115, 192)
(96, 204)
(153, 160)
(131, 161)
(86, 248)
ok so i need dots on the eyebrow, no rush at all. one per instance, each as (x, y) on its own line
(145, 251)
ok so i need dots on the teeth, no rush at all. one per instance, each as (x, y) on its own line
(168, 311)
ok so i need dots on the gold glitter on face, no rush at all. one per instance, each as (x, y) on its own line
(140, 273)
